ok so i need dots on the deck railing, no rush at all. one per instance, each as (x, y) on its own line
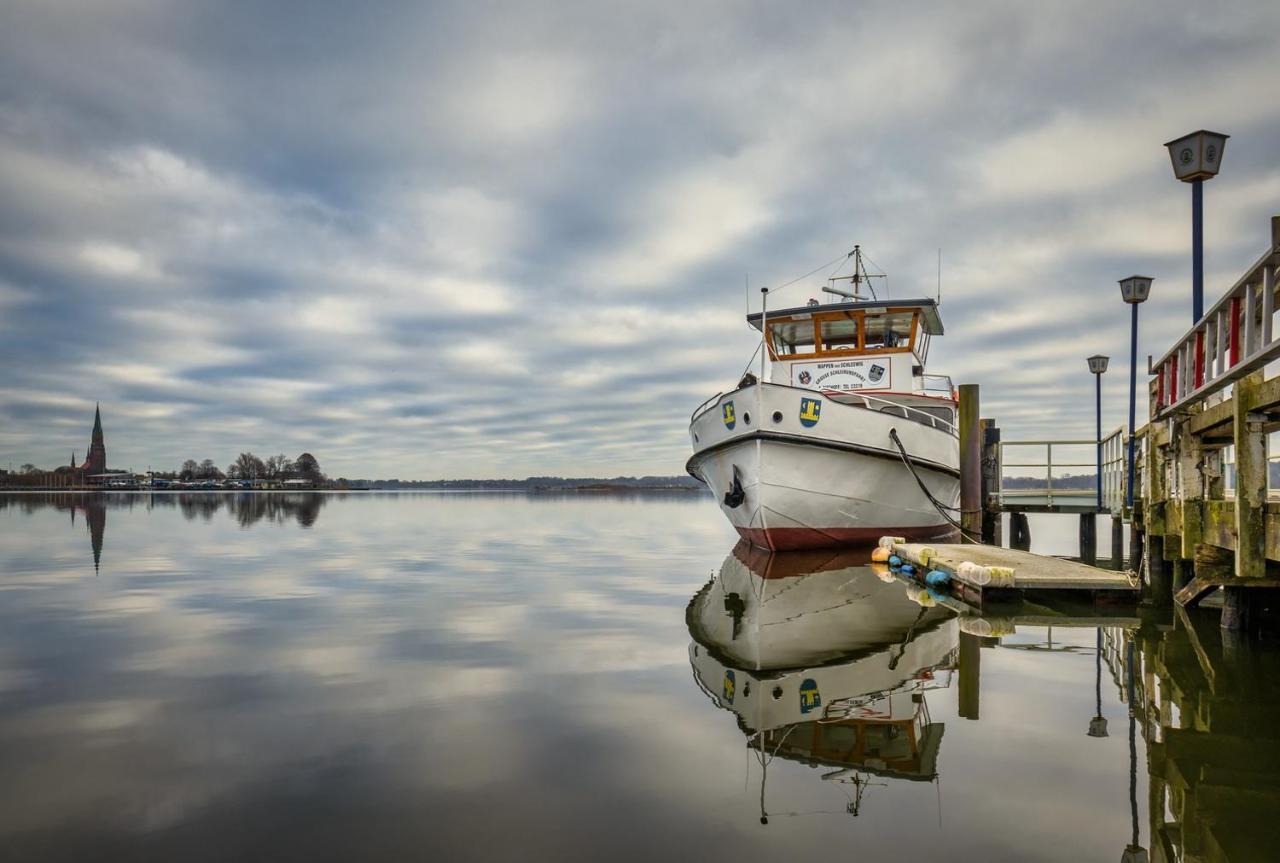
(1062, 475)
(1236, 336)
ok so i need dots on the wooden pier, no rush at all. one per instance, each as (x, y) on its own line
(979, 573)
(1204, 515)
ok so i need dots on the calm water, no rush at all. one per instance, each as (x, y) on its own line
(491, 677)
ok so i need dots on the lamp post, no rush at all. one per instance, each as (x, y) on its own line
(1196, 158)
(1135, 291)
(1098, 366)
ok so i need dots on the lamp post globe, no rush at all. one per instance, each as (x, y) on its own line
(1196, 158)
(1098, 366)
(1134, 290)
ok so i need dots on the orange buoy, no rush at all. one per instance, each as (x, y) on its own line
(879, 554)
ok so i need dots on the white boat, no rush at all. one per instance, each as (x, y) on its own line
(843, 437)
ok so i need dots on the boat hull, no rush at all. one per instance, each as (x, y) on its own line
(840, 481)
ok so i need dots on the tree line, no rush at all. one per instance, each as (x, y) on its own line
(251, 467)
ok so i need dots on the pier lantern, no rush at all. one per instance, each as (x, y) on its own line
(1135, 289)
(1197, 156)
(1098, 364)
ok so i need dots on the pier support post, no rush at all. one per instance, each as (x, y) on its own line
(1137, 544)
(970, 662)
(1089, 538)
(1251, 502)
(1191, 479)
(970, 463)
(1159, 583)
(1251, 481)
(990, 482)
(1117, 542)
(1019, 531)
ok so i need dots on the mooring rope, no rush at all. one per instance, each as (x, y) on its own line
(939, 505)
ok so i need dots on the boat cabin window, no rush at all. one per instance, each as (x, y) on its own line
(840, 334)
(791, 337)
(843, 332)
(887, 331)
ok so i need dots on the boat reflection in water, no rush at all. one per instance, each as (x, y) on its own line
(825, 661)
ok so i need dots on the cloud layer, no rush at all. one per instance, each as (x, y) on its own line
(492, 240)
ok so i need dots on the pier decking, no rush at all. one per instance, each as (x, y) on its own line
(1001, 572)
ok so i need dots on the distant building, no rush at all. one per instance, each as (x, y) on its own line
(95, 463)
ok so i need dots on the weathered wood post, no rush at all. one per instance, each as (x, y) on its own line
(1089, 538)
(1251, 499)
(1191, 480)
(970, 463)
(1117, 542)
(990, 482)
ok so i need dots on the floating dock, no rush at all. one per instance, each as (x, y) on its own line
(976, 572)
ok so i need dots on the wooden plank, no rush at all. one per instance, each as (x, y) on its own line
(1030, 571)
(1193, 591)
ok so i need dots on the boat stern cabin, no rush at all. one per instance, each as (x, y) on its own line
(876, 346)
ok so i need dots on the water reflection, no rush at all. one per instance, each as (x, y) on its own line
(1205, 704)
(826, 662)
(247, 508)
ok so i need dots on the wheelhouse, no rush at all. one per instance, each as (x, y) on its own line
(862, 346)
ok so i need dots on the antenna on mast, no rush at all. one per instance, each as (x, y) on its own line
(860, 276)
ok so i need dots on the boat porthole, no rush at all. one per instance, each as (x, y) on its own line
(777, 416)
(777, 692)
(695, 650)
(695, 437)
(746, 690)
(746, 418)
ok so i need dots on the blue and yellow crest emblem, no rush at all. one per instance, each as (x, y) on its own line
(730, 418)
(730, 686)
(810, 412)
(810, 699)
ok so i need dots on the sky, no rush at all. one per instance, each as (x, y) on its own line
(499, 240)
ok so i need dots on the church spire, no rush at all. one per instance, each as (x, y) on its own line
(97, 420)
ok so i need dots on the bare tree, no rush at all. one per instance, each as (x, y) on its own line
(190, 469)
(247, 466)
(278, 466)
(209, 470)
(28, 469)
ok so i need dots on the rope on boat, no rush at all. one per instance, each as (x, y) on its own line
(939, 505)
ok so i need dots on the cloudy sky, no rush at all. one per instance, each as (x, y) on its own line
(507, 239)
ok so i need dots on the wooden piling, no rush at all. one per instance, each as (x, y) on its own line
(970, 461)
(1089, 538)
(990, 482)
(1117, 542)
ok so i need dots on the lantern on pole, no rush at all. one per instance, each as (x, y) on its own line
(1196, 158)
(1098, 367)
(1134, 290)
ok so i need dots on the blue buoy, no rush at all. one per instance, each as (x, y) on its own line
(935, 578)
(908, 568)
(894, 560)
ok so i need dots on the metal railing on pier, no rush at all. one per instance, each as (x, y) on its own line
(1067, 481)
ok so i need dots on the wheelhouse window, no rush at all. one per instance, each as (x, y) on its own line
(791, 338)
(889, 331)
(840, 334)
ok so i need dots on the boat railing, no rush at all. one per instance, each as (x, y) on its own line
(938, 384)
(704, 407)
(893, 408)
